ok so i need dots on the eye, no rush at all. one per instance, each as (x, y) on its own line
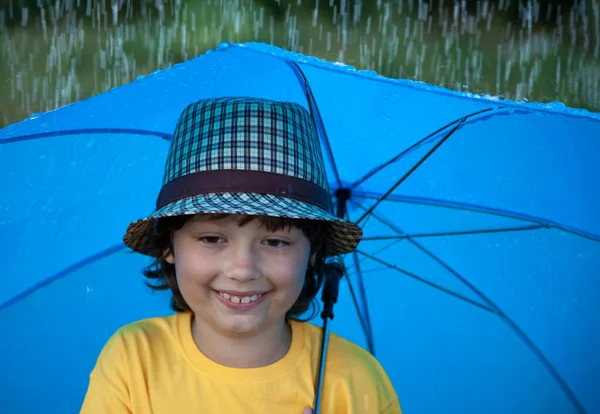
(210, 239)
(277, 243)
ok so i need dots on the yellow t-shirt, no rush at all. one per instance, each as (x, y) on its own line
(154, 366)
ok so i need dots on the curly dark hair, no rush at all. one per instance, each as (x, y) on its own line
(162, 273)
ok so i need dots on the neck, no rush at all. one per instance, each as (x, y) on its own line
(249, 351)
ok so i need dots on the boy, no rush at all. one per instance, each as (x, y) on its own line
(240, 235)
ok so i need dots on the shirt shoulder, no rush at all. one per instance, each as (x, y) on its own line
(151, 328)
(137, 340)
(345, 357)
(119, 377)
(353, 370)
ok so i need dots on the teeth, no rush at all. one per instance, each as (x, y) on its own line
(236, 299)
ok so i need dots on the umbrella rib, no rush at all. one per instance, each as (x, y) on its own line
(517, 106)
(492, 307)
(484, 210)
(419, 143)
(455, 233)
(403, 235)
(363, 316)
(28, 137)
(427, 282)
(316, 115)
(397, 230)
(62, 273)
(413, 169)
(367, 326)
(363, 321)
(512, 324)
(385, 222)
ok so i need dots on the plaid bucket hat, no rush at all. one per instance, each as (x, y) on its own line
(251, 156)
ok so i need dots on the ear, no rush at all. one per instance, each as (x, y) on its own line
(169, 257)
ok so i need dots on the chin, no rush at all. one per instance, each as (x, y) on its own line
(243, 325)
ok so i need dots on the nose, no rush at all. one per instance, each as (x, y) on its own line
(242, 264)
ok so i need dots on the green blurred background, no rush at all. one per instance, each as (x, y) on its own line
(54, 52)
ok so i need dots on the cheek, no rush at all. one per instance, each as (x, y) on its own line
(290, 276)
(191, 275)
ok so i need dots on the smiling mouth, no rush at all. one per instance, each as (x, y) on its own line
(240, 299)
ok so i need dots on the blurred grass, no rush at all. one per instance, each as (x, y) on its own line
(63, 54)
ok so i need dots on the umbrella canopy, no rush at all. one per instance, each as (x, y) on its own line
(476, 284)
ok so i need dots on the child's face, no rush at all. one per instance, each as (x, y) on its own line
(239, 280)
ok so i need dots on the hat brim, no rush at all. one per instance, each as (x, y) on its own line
(344, 236)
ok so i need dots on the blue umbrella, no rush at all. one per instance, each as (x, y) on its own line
(476, 284)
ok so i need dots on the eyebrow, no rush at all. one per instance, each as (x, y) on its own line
(208, 222)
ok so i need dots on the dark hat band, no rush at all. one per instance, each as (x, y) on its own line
(240, 181)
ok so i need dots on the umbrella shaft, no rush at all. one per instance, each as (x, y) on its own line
(324, 344)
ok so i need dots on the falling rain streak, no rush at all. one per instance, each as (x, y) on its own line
(54, 52)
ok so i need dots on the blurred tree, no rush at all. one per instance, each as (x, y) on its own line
(21, 12)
